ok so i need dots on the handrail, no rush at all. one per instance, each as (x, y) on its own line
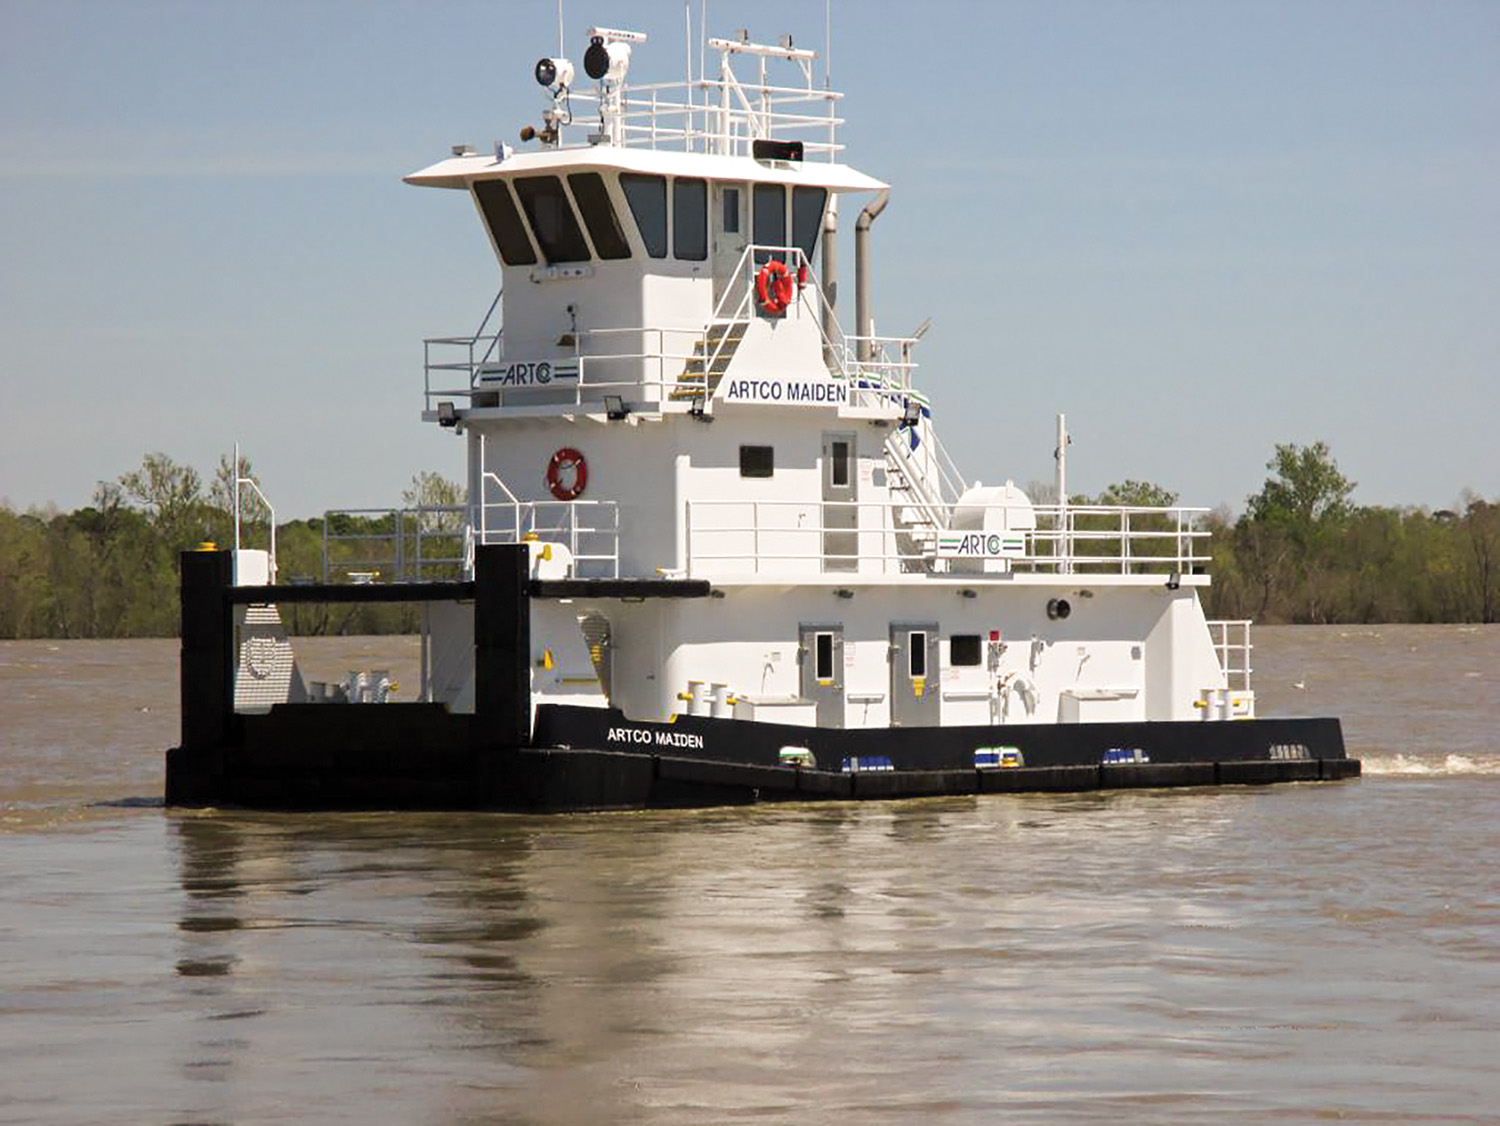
(594, 544)
(756, 536)
(409, 528)
(1224, 648)
(933, 509)
(239, 482)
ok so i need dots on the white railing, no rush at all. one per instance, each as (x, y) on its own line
(395, 544)
(647, 363)
(1060, 528)
(445, 356)
(590, 529)
(793, 537)
(646, 367)
(722, 115)
(1231, 641)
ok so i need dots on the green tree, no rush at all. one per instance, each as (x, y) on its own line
(1481, 523)
(167, 491)
(1138, 494)
(1307, 490)
(221, 494)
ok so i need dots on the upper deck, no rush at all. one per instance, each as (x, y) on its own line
(631, 238)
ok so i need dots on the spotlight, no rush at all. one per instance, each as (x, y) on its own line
(606, 61)
(843, 592)
(1058, 608)
(1174, 580)
(614, 408)
(556, 73)
(447, 415)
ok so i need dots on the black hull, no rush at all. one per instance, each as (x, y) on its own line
(416, 756)
(421, 756)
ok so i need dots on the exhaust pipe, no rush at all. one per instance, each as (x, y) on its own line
(830, 276)
(862, 323)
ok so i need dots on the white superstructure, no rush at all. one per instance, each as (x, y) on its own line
(673, 395)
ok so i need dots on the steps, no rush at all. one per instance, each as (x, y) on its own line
(712, 354)
(918, 515)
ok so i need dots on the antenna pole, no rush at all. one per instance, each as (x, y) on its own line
(236, 496)
(1065, 541)
(828, 44)
(561, 42)
(687, 46)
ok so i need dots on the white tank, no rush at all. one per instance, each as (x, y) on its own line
(999, 512)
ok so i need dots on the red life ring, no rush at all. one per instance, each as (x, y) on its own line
(567, 461)
(774, 287)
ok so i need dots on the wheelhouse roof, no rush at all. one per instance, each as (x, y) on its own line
(461, 171)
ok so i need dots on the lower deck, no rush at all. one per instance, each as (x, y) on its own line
(506, 752)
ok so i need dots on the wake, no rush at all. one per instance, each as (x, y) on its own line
(1413, 764)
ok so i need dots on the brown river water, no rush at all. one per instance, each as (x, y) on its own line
(1302, 953)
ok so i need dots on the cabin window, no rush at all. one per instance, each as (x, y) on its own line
(823, 656)
(963, 649)
(552, 220)
(807, 217)
(599, 214)
(504, 222)
(647, 196)
(731, 211)
(757, 461)
(690, 219)
(768, 202)
(916, 653)
(838, 467)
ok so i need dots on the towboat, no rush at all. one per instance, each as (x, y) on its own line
(713, 549)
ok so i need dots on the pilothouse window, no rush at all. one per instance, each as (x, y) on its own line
(807, 217)
(599, 214)
(768, 202)
(690, 219)
(552, 221)
(647, 196)
(504, 222)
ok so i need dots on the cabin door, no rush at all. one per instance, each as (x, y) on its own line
(731, 237)
(840, 515)
(820, 651)
(914, 675)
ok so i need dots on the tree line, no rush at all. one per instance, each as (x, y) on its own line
(1302, 551)
(110, 569)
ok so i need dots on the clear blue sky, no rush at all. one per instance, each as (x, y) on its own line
(1199, 228)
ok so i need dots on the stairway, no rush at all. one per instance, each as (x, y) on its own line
(712, 354)
(917, 513)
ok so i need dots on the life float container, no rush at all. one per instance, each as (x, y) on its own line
(774, 287)
(567, 474)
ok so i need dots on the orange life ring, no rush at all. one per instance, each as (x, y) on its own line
(567, 461)
(774, 287)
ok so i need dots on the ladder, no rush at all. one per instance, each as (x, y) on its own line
(712, 354)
